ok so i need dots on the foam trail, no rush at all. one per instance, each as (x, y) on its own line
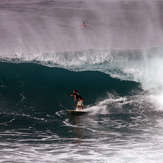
(103, 106)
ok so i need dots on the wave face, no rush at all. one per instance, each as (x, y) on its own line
(115, 63)
(27, 84)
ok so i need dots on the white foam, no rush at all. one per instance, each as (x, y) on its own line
(102, 106)
(157, 100)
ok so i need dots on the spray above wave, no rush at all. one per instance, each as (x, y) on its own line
(49, 27)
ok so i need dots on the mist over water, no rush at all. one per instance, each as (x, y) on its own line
(40, 27)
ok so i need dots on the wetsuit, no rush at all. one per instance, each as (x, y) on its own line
(78, 96)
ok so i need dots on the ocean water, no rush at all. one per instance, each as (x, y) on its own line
(115, 63)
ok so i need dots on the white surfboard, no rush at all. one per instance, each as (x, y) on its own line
(77, 111)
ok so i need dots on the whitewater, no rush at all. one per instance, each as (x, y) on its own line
(115, 63)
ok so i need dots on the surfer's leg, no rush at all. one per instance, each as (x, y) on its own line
(80, 104)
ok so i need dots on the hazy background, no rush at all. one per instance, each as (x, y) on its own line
(50, 26)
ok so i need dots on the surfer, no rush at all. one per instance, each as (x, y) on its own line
(78, 98)
(83, 25)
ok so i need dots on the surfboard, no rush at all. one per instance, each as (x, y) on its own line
(77, 111)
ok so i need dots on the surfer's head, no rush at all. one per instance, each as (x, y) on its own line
(75, 91)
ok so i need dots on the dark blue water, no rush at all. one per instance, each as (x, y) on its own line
(115, 63)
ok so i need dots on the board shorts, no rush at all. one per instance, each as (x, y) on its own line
(80, 103)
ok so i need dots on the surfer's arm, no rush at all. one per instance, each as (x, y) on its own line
(74, 97)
